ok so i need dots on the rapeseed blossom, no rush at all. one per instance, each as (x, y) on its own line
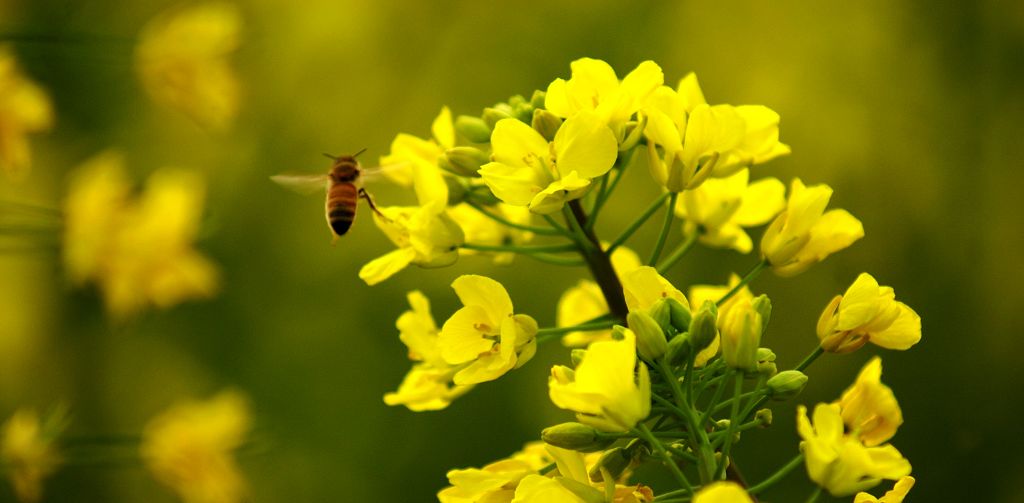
(866, 313)
(529, 171)
(182, 59)
(28, 453)
(483, 230)
(609, 389)
(496, 482)
(643, 287)
(720, 208)
(574, 484)
(139, 251)
(425, 235)
(24, 109)
(485, 336)
(594, 87)
(190, 447)
(699, 294)
(804, 234)
(896, 495)
(414, 161)
(722, 492)
(869, 407)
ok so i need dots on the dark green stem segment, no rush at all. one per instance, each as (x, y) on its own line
(778, 475)
(600, 265)
(810, 358)
(754, 273)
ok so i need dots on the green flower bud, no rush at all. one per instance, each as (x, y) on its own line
(741, 335)
(786, 384)
(650, 340)
(576, 437)
(546, 123)
(633, 132)
(576, 356)
(492, 115)
(618, 332)
(516, 101)
(680, 315)
(763, 305)
(615, 461)
(473, 129)
(763, 416)
(465, 161)
(456, 190)
(766, 362)
(704, 326)
(583, 491)
(537, 99)
(662, 314)
(678, 349)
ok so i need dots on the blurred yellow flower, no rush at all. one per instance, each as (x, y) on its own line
(741, 329)
(138, 251)
(574, 483)
(527, 171)
(896, 495)
(866, 313)
(841, 463)
(481, 229)
(643, 287)
(594, 87)
(485, 335)
(414, 161)
(24, 108)
(699, 294)
(869, 407)
(722, 492)
(182, 59)
(721, 207)
(584, 301)
(496, 482)
(804, 234)
(190, 448)
(606, 390)
(428, 384)
(28, 453)
(689, 140)
(425, 236)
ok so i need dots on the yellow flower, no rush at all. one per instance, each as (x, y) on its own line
(138, 251)
(428, 384)
(594, 87)
(841, 463)
(528, 171)
(485, 335)
(689, 140)
(189, 448)
(414, 161)
(182, 61)
(573, 483)
(425, 236)
(866, 313)
(869, 407)
(741, 329)
(606, 390)
(804, 234)
(481, 229)
(497, 481)
(896, 495)
(643, 287)
(721, 207)
(28, 453)
(584, 301)
(722, 492)
(702, 293)
(24, 109)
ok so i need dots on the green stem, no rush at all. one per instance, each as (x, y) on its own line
(504, 221)
(546, 334)
(670, 214)
(638, 222)
(32, 208)
(520, 249)
(719, 389)
(559, 227)
(733, 419)
(778, 475)
(698, 437)
(810, 358)
(556, 260)
(754, 273)
(814, 495)
(679, 252)
(623, 162)
(646, 434)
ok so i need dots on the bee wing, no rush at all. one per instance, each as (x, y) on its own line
(399, 170)
(303, 184)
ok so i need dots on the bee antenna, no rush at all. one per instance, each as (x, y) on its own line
(329, 156)
(360, 152)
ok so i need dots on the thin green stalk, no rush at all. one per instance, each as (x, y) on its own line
(698, 437)
(556, 260)
(670, 214)
(733, 419)
(810, 358)
(714, 401)
(754, 273)
(778, 475)
(646, 434)
(814, 495)
(681, 414)
(679, 252)
(504, 221)
(623, 162)
(557, 226)
(520, 249)
(32, 208)
(727, 403)
(638, 222)
(546, 334)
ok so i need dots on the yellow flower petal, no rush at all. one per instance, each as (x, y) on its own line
(382, 268)
(585, 145)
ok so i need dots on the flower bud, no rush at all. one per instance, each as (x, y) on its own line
(662, 314)
(546, 123)
(576, 437)
(491, 116)
(456, 190)
(576, 356)
(537, 99)
(680, 315)
(585, 492)
(763, 305)
(614, 461)
(678, 349)
(763, 416)
(703, 326)
(650, 340)
(633, 132)
(465, 161)
(786, 384)
(766, 362)
(741, 335)
(473, 129)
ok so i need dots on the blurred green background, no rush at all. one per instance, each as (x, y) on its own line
(910, 110)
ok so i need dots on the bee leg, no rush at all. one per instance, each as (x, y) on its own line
(366, 195)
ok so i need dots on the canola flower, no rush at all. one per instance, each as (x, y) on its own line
(190, 448)
(896, 495)
(183, 61)
(720, 208)
(137, 250)
(28, 453)
(24, 109)
(594, 87)
(866, 313)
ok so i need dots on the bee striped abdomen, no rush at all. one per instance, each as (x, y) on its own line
(342, 199)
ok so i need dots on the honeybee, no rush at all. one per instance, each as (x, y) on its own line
(344, 183)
